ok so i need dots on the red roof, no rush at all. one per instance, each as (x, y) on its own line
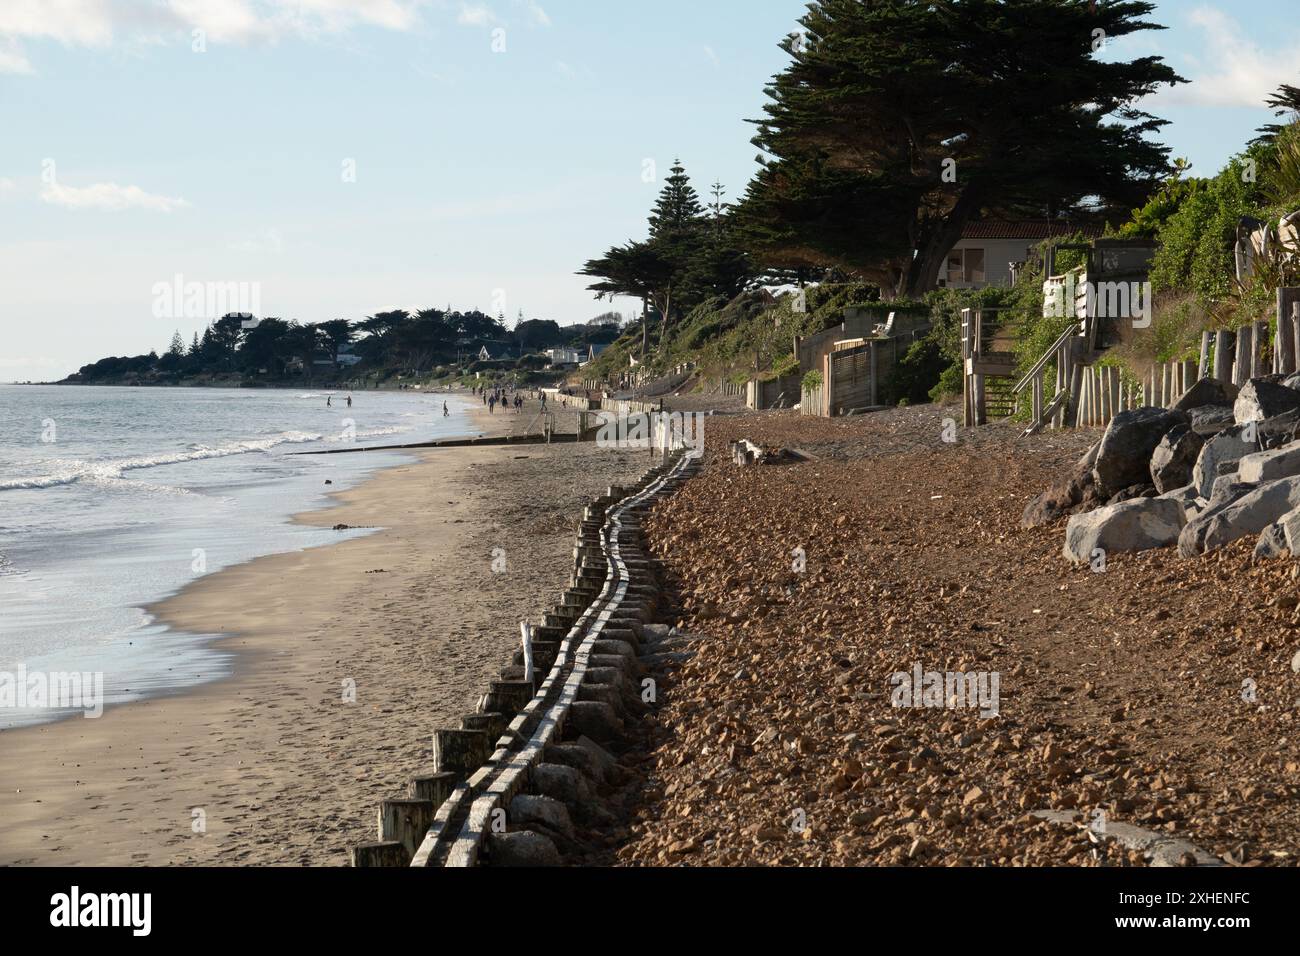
(1035, 229)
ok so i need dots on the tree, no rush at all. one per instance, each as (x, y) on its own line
(681, 264)
(892, 127)
(336, 333)
(1285, 102)
(173, 358)
(226, 333)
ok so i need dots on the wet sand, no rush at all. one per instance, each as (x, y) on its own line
(275, 765)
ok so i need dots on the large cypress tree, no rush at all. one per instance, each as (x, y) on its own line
(898, 121)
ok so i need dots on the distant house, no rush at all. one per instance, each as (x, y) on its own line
(593, 352)
(484, 355)
(347, 358)
(987, 251)
(564, 356)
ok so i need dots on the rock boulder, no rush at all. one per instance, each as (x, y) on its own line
(1261, 399)
(1175, 457)
(1137, 525)
(1124, 456)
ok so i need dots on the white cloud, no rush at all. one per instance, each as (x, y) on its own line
(99, 23)
(109, 197)
(1233, 69)
(537, 13)
(7, 186)
(476, 15)
(713, 57)
(566, 70)
(12, 58)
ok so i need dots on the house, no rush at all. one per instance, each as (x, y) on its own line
(593, 352)
(484, 355)
(564, 356)
(989, 250)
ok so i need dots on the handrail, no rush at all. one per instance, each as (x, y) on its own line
(1071, 330)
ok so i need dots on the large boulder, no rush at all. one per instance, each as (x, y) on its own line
(1290, 525)
(1212, 419)
(521, 848)
(1263, 398)
(1272, 542)
(1278, 431)
(1192, 503)
(1222, 524)
(1224, 449)
(1268, 465)
(1206, 391)
(1074, 492)
(1175, 457)
(1124, 456)
(1229, 488)
(1137, 525)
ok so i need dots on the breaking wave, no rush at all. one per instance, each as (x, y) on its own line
(111, 473)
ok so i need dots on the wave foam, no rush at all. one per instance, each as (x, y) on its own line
(111, 473)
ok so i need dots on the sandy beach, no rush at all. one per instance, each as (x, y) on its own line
(274, 765)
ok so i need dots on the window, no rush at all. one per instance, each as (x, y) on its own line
(965, 267)
(955, 271)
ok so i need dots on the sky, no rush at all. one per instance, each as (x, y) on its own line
(337, 158)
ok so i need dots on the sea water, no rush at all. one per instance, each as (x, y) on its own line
(114, 498)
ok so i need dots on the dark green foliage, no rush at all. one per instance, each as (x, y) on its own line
(916, 373)
(882, 99)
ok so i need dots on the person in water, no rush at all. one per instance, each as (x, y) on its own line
(349, 401)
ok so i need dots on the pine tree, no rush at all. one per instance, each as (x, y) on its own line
(677, 211)
(897, 122)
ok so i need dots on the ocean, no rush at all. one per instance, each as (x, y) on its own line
(114, 498)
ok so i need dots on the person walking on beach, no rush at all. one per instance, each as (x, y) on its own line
(329, 403)
(349, 401)
(492, 405)
(445, 413)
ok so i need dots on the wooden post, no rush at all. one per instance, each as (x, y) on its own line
(1260, 334)
(406, 821)
(1071, 419)
(434, 787)
(1116, 395)
(1241, 371)
(1107, 409)
(1295, 332)
(1037, 397)
(1203, 367)
(1287, 346)
(388, 854)
(1223, 355)
(460, 752)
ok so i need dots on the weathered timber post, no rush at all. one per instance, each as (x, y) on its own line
(1203, 367)
(1287, 347)
(1295, 333)
(386, 854)
(1241, 371)
(1223, 355)
(1258, 339)
(460, 751)
(434, 787)
(406, 821)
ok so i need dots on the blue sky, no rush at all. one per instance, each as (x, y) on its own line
(497, 144)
